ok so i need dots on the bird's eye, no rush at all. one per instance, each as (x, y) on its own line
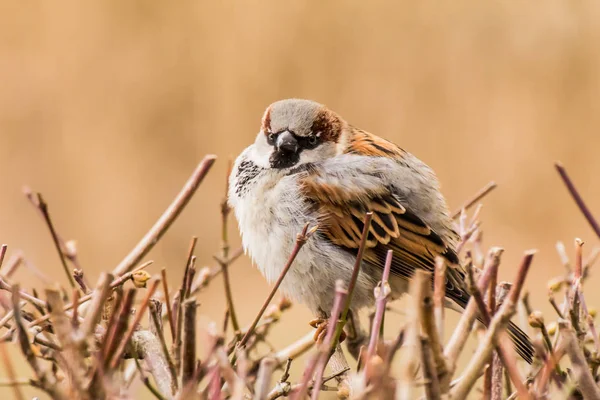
(271, 138)
(312, 140)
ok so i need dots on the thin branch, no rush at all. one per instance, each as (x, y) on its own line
(461, 332)
(138, 317)
(478, 196)
(10, 371)
(325, 350)
(114, 284)
(300, 241)
(418, 285)
(94, 311)
(430, 373)
(164, 362)
(147, 382)
(263, 379)
(439, 295)
(165, 221)
(383, 291)
(2, 254)
(11, 265)
(577, 197)
(353, 278)
(170, 317)
(147, 346)
(225, 210)
(39, 202)
(433, 339)
(189, 341)
(483, 354)
(583, 378)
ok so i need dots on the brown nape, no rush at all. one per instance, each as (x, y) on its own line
(365, 143)
(328, 124)
(266, 121)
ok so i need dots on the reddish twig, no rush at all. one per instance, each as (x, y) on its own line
(577, 197)
(324, 352)
(170, 317)
(2, 253)
(300, 241)
(384, 291)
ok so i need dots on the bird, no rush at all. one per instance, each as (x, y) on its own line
(309, 165)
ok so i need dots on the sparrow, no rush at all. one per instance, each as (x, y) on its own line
(308, 165)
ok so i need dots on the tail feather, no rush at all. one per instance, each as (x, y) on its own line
(521, 341)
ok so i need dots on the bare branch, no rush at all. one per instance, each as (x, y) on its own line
(165, 221)
(577, 197)
(478, 196)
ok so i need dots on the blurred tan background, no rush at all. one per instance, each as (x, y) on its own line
(107, 106)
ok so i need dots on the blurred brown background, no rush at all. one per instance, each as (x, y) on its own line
(106, 107)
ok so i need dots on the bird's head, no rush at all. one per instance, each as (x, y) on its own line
(296, 132)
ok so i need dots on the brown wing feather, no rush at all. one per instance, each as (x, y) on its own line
(393, 227)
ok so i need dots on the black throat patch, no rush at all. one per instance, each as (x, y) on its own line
(245, 175)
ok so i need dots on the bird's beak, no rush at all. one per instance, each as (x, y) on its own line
(286, 142)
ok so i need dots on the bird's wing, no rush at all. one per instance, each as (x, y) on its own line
(342, 200)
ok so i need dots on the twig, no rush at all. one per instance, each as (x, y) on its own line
(482, 355)
(74, 363)
(147, 346)
(296, 349)
(353, 278)
(118, 325)
(163, 272)
(461, 333)
(116, 357)
(47, 382)
(478, 196)
(263, 379)
(430, 373)
(207, 274)
(382, 291)
(491, 304)
(10, 371)
(2, 254)
(577, 197)
(325, 350)
(412, 354)
(94, 311)
(300, 241)
(189, 341)
(439, 295)
(165, 221)
(497, 368)
(225, 210)
(433, 340)
(43, 207)
(116, 283)
(147, 382)
(157, 332)
(189, 263)
(583, 378)
(79, 277)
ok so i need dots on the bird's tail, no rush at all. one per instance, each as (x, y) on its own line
(521, 341)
